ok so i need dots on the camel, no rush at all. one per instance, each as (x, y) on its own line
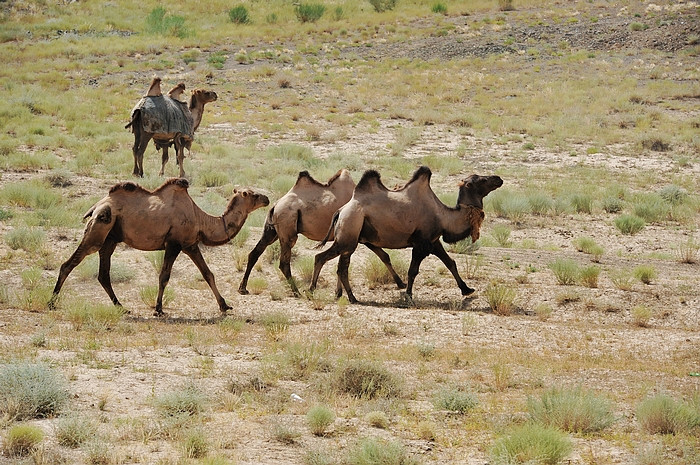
(411, 216)
(168, 122)
(164, 219)
(177, 91)
(306, 209)
(154, 89)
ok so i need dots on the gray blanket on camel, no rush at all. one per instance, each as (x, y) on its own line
(164, 115)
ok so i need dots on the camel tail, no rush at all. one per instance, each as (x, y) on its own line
(134, 118)
(330, 229)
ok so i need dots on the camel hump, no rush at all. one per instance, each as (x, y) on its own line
(305, 176)
(370, 179)
(422, 171)
(177, 182)
(126, 186)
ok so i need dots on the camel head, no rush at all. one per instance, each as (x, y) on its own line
(246, 201)
(473, 189)
(202, 96)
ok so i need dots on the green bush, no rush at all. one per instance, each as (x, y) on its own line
(629, 224)
(309, 12)
(652, 208)
(29, 239)
(612, 204)
(439, 8)
(96, 317)
(74, 430)
(662, 414)
(645, 273)
(531, 444)
(515, 208)
(383, 5)
(239, 15)
(582, 203)
(374, 451)
(157, 22)
(319, 418)
(22, 439)
(188, 400)
(540, 204)
(366, 380)
(589, 246)
(573, 410)
(566, 271)
(455, 400)
(29, 390)
(500, 298)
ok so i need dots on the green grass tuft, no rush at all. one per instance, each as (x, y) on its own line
(374, 451)
(565, 270)
(661, 414)
(29, 390)
(531, 444)
(455, 400)
(573, 410)
(22, 440)
(319, 418)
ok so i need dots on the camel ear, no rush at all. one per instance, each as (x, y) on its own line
(235, 191)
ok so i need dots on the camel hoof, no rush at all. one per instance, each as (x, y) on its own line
(401, 285)
(468, 291)
(159, 314)
(243, 291)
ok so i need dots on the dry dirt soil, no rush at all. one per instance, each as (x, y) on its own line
(590, 339)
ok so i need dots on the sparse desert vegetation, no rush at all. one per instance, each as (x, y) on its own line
(580, 345)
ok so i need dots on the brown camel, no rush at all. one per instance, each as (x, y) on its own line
(306, 209)
(163, 219)
(168, 122)
(411, 216)
(177, 91)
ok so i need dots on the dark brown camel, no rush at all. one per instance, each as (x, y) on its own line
(164, 219)
(307, 209)
(412, 216)
(172, 123)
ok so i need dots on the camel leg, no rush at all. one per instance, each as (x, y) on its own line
(196, 255)
(78, 256)
(420, 251)
(180, 152)
(440, 252)
(320, 259)
(384, 257)
(171, 253)
(343, 267)
(269, 236)
(141, 140)
(105, 265)
(163, 160)
(286, 246)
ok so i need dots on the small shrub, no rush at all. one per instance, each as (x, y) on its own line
(501, 235)
(257, 285)
(641, 314)
(540, 204)
(588, 276)
(96, 317)
(500, 298)
(455, 400)
(645, 273)
(439, 8)
(662, 414)
(338, 13)
(195, 445)
(155, 258)
(612, 204)
(149, 295)
(157, 22)
(366, 380)
(531, 443)
(239, 15)
(582, 203)
(381, 6)
(319, 418)
(589, 246)
(309, 12)
(506, 5)
(374, 451)
(217, 60)
(636, 26)
(426, 350)
(652, 208)
(22, 439)
(629, 224)
(673, 194)
(622, 279)
(377, 419)
(31, 391)
(275, 324)
(318, 457)
(213, 178)
(305, 268)
(566, 271)
(73, 431)
(285, 434)
(688, 251)
(188, 401)
(515, 208)
(572, 410)
(543, 311)
(29, 239)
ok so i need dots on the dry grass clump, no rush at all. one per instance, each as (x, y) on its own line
(74, 430)
(377, 419)
(501, 234)
(645, 273)
(195, 444)
(629, 224)
(588, 245)
(366, 380)
(29, 390)
(688, 251)
(531, 443)
(573, 410)
(661, 414)
(95, 317)
(565, 270)
(588, 276)
(149, 295)
(22, 440)
(455, 400)
(275, 323)
(375, 451)
(641, 314)
(622, 279)
(186, 401)
(377, 274)
(500, 298)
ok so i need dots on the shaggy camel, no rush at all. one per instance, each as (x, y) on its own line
(411, 216)
(170, 122)
(163, 219)
(306, 209)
